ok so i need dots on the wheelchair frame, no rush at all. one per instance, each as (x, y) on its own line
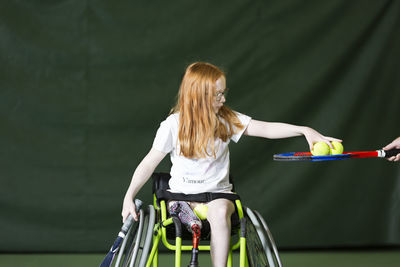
(152, 228)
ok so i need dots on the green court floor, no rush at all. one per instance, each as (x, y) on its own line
(365, 258)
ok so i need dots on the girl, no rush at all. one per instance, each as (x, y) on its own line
(196, 135)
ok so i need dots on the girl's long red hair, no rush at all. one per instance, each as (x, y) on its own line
(199, 126)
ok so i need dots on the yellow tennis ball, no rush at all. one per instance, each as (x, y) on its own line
(321, 149)
(201, 211)
(337, 148)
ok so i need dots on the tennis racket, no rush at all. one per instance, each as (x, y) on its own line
(307, 156)
(121, 235)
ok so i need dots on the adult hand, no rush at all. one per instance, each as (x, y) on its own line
(395, 144)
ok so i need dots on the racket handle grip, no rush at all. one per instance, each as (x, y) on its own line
(391, 153)
(128, 222)
(138, 204)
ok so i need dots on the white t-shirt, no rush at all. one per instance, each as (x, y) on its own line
(192, 176)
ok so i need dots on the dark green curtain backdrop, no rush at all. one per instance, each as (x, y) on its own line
(85, 84)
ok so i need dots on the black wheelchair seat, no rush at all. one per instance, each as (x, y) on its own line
(160, 190)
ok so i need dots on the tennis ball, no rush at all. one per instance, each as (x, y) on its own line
(321, 149)
(201, 211)
(337, 148)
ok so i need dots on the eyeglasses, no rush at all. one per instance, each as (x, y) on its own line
(219, 95)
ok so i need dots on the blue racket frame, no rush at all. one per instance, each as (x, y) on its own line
(296, 156)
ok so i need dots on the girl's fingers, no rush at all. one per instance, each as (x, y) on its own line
(311, 146)
(334, 139)
(329, 144)
(134, 215)
(129, 209)
(133, 212)
(124, 216)
(316, 137)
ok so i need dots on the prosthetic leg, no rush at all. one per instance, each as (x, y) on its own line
(186, 215)
(195, 251)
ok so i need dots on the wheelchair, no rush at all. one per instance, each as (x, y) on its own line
(250, 233)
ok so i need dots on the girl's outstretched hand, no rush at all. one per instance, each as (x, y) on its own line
(312, 137)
